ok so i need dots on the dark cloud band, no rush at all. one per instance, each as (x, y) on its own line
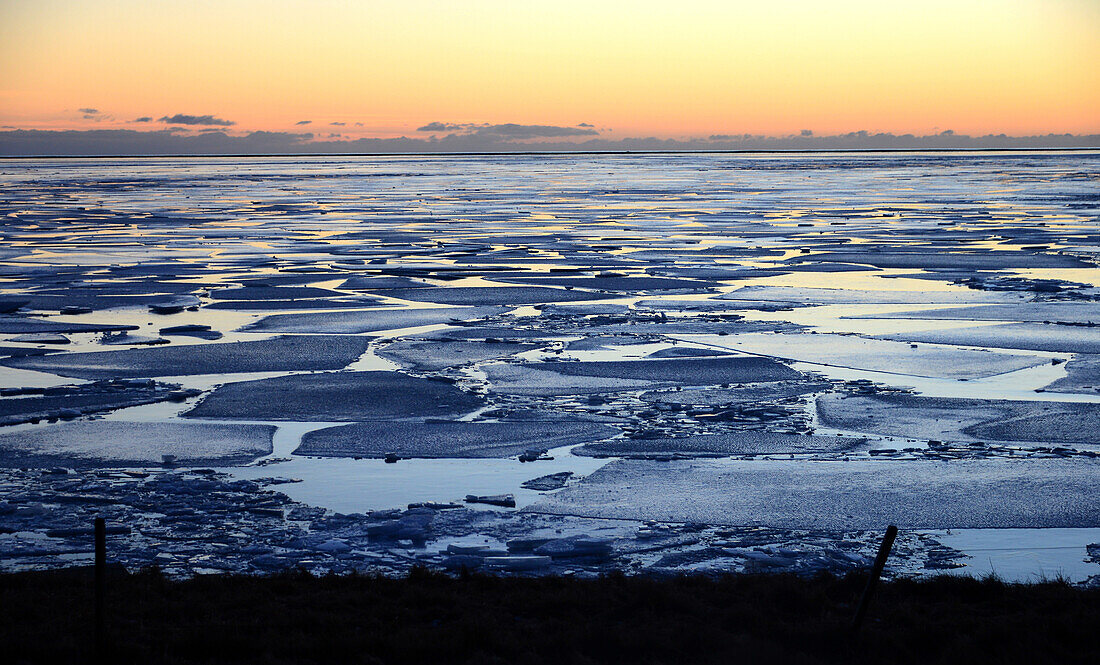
(204, 120)
(508, 130)
(176, 141)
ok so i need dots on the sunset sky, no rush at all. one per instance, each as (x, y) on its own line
(685, 69)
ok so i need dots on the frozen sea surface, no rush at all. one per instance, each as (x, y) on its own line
(805, 322)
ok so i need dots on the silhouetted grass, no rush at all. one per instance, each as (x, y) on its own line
(430, 618)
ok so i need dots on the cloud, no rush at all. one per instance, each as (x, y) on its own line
(442, 127)
(515, 131)
(94, 114)
(508, 131)
(144, 118)
(340, 124)
(806, 132)
(584, 124)
(485, 138)
(303, 122)
(184, 119)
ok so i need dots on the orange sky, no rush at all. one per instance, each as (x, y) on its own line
(670, 69)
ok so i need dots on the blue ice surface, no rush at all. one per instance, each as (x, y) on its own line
(807, 230)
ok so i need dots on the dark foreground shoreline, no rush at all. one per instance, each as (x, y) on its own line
(47, 617)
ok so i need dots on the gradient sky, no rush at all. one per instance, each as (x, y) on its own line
(669, 69)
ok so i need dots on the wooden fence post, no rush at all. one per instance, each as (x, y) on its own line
(100, 590)
(876, 572)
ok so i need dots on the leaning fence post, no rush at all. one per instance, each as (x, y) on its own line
(100, 589)
(876, 572)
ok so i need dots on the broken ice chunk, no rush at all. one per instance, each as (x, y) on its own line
(505, 500)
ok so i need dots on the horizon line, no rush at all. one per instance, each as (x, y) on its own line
(521, 153)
